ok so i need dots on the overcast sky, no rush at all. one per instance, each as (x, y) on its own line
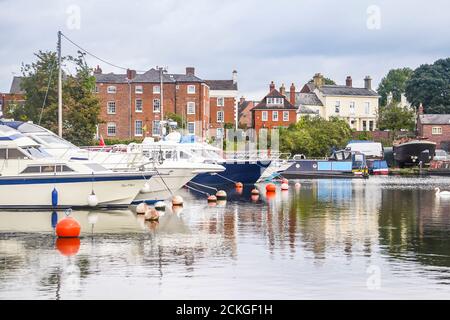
(283, 41)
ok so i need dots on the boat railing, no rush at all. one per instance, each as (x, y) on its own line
(256, 155)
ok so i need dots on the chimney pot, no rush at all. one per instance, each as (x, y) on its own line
(190, 71)
(234, 76)
(420, 110)
(368, 82)
(271, 86)
(131, 74)
(349, 81)
(318, 80)
(282, 89)
(292, 94)
(98, 70)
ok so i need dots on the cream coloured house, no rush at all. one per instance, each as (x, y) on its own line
(358, 106)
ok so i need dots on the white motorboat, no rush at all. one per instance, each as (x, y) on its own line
(173, 168)
(32, 178)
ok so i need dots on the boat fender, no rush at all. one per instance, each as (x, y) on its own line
(54, 197)
(92, 199)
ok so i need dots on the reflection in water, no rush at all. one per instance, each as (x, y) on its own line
(313, 241)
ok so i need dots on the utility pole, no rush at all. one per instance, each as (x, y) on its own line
(60, 126)
(161, 93)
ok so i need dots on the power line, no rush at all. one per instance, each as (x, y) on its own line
(95, 56)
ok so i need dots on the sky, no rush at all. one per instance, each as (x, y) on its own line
(278, 40)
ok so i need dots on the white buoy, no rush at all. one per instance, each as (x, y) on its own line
(92, 199)
(297, 186)
(160, 206)
(151, 215)
(221, 195)
(141, 208)
(284, 186)
(177, 201)
(145, 188)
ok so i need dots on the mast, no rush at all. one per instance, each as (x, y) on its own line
(59, 87)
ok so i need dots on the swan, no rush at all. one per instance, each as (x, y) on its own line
(442, 193)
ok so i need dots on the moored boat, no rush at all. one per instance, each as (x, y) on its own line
(413, 152)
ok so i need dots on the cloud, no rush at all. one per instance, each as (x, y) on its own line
(284, 41)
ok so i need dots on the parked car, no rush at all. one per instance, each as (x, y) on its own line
(441, 155)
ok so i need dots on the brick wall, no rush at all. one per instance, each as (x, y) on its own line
(442, 140)
(227, 108)
(269, 124)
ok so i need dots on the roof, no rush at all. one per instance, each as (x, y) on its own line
(110, 77)
(306, 110)
(221, 84)
(150, 76)
(247, 105)
(274, 94)
(16, 85)
(308, 99)
(339, 90)
(434, 118)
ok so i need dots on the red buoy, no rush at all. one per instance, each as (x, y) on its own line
(270, 187)
(68, 228)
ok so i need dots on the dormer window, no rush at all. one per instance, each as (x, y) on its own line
(275, 101)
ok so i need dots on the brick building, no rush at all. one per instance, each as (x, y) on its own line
(132, 104)
(274, 110)
(15, 96)
(245, 113)
(434, 127)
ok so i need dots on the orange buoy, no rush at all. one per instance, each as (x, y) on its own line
(284, 180)
(239, 185)
(68, 228)
(255, 191)
(68, 246)
(270, 187)
(212, 198)
(270, 195)
(221, 195)
(284, 186)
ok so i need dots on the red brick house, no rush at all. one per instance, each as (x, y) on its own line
(15, 96)
(274, 110)
(435, 127)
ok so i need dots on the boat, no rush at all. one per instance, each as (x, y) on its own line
(377, 167)
(173, 170)
(239, 166)
(371, 149)
(410, 152)
(30, 178)
(342, 164)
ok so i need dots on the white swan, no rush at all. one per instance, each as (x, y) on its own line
(442, 193)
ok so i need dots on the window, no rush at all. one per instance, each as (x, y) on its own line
(138, 107)
(111, 129)
(156, 129)
(96, 89)
(264, 115)
(436, 130)
(138, 128)
(11, 154)
(219, 116)
(111, 107)
(156, 105)
(191, 108)
(370, 125)
(191, 127)
(352, 107)
(220, 101)
(111, 89)
(367, 107)
(156, 89)
(219, 132)
(190, 89)
(285, 115)
(337, 107)
(138, 89)
(274, 115)
(364, 125)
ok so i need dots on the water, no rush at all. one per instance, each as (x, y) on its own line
(382, 238)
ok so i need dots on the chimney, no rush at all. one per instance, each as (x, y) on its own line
(420, 109)
(368, 82)
(292, 94)
(272, 86)
(131, 74)
(348, 81)
(241, 100)
(234, 76)
(318, 80)
(190, 71)
(98, 70)
(283, 90)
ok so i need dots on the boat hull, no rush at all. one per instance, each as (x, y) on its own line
(246, 172)
(411, 153)
(322, 169)
(112, 190)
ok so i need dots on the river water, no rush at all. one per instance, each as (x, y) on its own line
(381, 238)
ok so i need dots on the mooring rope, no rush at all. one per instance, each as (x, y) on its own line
(203, 192)
(204, 186)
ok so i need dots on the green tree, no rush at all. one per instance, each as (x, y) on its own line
(395, 118)
(430, 85)
(315, 136)
(81, 108)
(394, 82)
(177, 118)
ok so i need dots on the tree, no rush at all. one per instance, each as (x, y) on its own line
(430, 85)
(81, 108)
(177, 118)
(395, 118)
(315, 136)
(394, 82)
